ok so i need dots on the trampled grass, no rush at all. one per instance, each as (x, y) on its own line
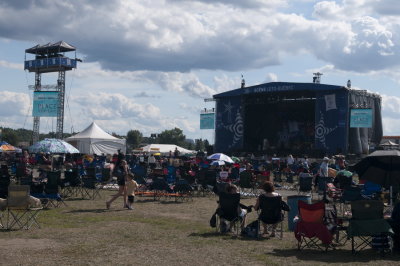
(156, 233)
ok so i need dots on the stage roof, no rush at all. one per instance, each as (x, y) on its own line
(58, 47)
(279, 87)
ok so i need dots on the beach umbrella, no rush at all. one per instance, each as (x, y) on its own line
(220, 157)
(235, 159)
(218, 163)
(52, 146)
(6, 147)
(380, 167)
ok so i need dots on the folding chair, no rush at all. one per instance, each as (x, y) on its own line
(52, 189)
(246, 184)
(322, 185)
(182, 190)
(20, 214)
(90, 187)
(310, 230)
(71, 184)
(271, 213)
(228, 211)
(367, 222)
(305, 184)
(160, 188)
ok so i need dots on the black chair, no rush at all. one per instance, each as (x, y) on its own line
(5, 180)
(52, 189)
(246, 184)
(271, 212)
(90, 187)
(228, 210)
(71, 184)
(160, 188)
(305, 184)
(182, 190)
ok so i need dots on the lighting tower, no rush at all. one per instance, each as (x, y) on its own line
(50, 58)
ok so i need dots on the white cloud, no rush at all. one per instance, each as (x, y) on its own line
(10, 65)
(271, 77)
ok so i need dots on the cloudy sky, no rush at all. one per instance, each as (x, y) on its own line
(148, 65)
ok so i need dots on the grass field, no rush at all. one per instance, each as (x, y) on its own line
(156, 233)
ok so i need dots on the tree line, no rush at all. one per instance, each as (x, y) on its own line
(134, 138)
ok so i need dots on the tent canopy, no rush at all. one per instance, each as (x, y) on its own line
(94, 140)
(163, 148)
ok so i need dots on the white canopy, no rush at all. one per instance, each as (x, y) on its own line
(163, 148)
(94, 140)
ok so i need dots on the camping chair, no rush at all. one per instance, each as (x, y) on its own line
(305, 184)
(90, 189)
(228, 211)
(366, 223)
(310, 230)
(271, 213)
(182, 190)
(52, 189)
(322, 185)
(20, 214)
(344, 181)
(160, 188)
(246, 183)
(71, 184)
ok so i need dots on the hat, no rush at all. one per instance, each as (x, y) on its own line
(326, 159)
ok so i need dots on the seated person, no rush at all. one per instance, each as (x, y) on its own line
(230, 207)
(274, 217)
(394, 222)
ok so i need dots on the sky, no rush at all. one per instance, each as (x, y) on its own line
(149, 65)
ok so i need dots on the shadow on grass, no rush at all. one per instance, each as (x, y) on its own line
(225, 236)
(332, 256)
(95, 210)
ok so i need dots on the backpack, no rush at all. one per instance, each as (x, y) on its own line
(252, 229)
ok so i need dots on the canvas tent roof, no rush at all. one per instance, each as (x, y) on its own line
(94, 140)
(163, 148)
(58, 47)
(94, 132)
(389, 143)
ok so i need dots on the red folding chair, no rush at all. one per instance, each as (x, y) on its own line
(310, 230)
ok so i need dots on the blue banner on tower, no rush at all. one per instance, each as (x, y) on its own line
(45, 103)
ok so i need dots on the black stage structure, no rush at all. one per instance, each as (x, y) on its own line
(296, 118)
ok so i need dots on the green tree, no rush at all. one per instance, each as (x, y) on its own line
(199, 146)
(134, 138)
(173, 136)
(9, 135)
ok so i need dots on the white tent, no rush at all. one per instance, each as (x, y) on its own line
(163, 148)
(94, 140)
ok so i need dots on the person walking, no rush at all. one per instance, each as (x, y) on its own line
(120, 172)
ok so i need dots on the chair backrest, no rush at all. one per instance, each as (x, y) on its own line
(91, 172)
(367, 209)
(322, 181)
(53, 181)
(344, 181)
(311, 213)
(18, 196)
(351, 193)
(305, 182)
(271, 209)
(245, 179)
(105, 174)
(229, 204)
(72, 177)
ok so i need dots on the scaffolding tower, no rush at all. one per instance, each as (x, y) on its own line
(50, 58)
